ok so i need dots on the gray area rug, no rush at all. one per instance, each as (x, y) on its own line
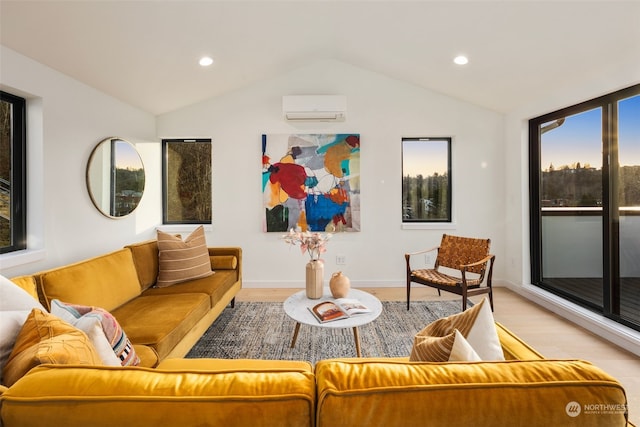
(261, 330)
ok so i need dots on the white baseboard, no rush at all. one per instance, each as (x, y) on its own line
(265, 284)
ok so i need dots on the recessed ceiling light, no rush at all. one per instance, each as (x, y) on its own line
(205, 61)
(461, 60)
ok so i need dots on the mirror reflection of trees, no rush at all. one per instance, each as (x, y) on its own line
(188, 181)
(129, 187)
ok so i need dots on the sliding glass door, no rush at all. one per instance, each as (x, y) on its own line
(628, 207)
(585, 204)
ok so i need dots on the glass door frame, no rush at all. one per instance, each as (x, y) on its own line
(610, 208)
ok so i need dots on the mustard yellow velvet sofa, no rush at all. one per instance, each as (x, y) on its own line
(524, 390)
(160, 322)
(385, 392)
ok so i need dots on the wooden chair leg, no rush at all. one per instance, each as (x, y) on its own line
(408, 294)
(233, 302)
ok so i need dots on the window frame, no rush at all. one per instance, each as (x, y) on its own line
(18, 184)
(438, 222)
(165, 185)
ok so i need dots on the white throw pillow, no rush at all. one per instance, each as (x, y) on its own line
(90, 325)
(13, 297)
(462, 351)
(483, 335)
(15, 306)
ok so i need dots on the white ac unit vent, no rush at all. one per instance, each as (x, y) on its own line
(314, 108)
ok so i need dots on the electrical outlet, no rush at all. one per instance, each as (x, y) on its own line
(341, 259)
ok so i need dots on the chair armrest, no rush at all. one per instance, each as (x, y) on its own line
(408, 255)
(482, 261)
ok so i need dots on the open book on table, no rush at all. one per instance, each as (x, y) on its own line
(341, 308)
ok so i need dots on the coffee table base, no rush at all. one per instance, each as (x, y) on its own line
(356, 338)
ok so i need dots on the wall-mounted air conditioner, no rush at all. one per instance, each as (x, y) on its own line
(314, 108)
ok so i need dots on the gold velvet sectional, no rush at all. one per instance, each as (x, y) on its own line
(525, 390)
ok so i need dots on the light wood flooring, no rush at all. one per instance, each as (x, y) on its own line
(550, 334)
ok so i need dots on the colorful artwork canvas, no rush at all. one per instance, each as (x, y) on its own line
(311, 182)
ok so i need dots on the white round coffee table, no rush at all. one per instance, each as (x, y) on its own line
(297, 307)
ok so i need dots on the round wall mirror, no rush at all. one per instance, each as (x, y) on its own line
(115, 177)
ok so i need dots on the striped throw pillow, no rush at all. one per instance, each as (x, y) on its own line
(449, 348)
(179, 260)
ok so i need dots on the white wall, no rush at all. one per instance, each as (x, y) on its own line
(66, 120)
(382, 110)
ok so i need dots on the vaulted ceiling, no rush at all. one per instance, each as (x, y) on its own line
(146, 52)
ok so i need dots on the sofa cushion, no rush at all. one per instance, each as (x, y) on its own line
(215, 286)
(110, 340)
(449, 348)
(145, 258)
(506, 393)
(161, 321)
(231, 365)
(148, 356)
(44, 338)
(141, 397)
(180, 261)
(106, 281)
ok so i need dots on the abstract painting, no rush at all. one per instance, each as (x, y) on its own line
(311, 182)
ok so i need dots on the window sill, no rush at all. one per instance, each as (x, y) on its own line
(27, 256)
(429, 226)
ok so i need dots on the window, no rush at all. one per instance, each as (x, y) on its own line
(426, 180)
(13, 219)
(585, 204)
(186, 181)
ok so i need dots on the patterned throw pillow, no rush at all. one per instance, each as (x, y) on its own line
(180, 261)
(450, 348)
(44, 338)
(115, 336)
(476, 325)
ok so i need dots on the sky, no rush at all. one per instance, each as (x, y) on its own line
(127, 157)
(424, 157)
(579, 139)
